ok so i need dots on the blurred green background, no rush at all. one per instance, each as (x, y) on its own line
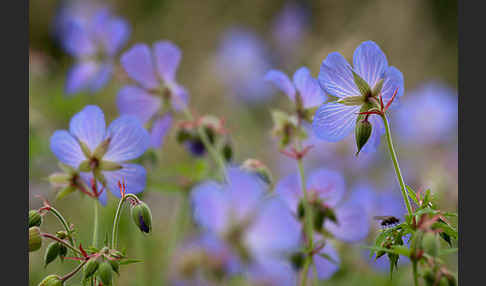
(419, 37)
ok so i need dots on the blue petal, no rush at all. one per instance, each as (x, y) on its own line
(160, 128)
(370, 62)
(336, 77)
(88, 126)
(281, 81)
(210, 206)
(364, 195)
(88, 179)
(324, 267)
(333, 121)
(114, 33)
(103, 198)
(180, 97)
(129, 139)
(66, 148)
(353, 223)
(376, 132)
(167, 58)
(134, 176)
(138, 64)
(77, 40)
(290, 191)
(80, 76)
(102, 76)
(132, 100)
(328, 185)
(275, 230)
(245, 191)
(393, 80)
(309, 88)
(272, 272)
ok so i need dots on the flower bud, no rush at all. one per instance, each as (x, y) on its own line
(430, 244)
(35, 218)
(362, 133)
(90, 268)
(62, 252)
(52, 280)
(258, 168)
(51, 253)
(35, 239)
(104, 273)
(115, 265)
(142, 217)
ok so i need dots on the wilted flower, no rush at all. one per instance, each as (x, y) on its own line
(92, 148)
(310, 92)
(242, 61)
(429, 115)
(154, 70)
(358, 89)
(260, 230)
(93, 36)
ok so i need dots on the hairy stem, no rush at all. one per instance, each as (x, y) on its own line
(53, 237)
(64, 223)
(415, 273)
(72, 273)
(114, 232)
(95, 223)
(393, 156)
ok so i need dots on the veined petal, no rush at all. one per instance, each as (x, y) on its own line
(309, 88)
(290, 191)
(134, 176)
(138, 64)
(88, 126)
(129, 139)
(376, 133)
(336, 77)
(333, 121)
(167, 58)
(325, 268)
(66, 148)
(281, 81)
(132, 100)
(370, 62)
(210, 206)
(328, 185)
(353, 223)
(80, 76)
(180, 97)
(393, 80)
(160, 128)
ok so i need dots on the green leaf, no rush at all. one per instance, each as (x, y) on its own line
(64, 192)
(130, 261)
(351, 100)
(412, 195)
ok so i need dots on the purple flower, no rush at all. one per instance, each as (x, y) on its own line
(326, 188)
(242, 61)
(92, 148)
(335, 120)
(93, 36)
(154, 70)
(303, 82)
(429, 115)
(259, 229)
(289, 26)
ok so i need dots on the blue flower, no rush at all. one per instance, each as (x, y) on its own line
(93, 36)
(335, 120)
(260, 229)
(154, 70)
(92, 148)
(289, 26)
(429, 115)
(327, 188)
(242, 60)
(303, 82)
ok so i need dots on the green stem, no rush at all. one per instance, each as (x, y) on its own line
(415, 273)
(305, 271)
(64, 223)
(114, 233)
(95, 223)
(395, 164)
(55, 238)
(72, 273)
(207, 144)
